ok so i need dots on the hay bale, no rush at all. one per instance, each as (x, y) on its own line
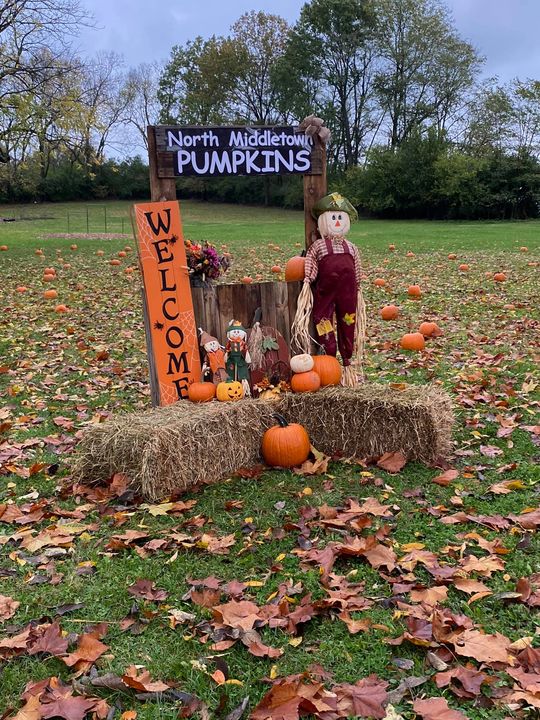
(183, 445)
(175, 448)
(369, 420)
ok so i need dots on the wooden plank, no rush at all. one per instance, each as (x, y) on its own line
(268, 304)
(282, 311)
(225, 308)
(161, 189)
(211, 311)
(315, 187)
(165, 164)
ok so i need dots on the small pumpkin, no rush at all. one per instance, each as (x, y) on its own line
(247, 280)
(22, 289)
(229, 391)
(61, 309)
(428, 328)
(49, 278)
(295, 269)
(50, 294)
(305, 382)
(389, 312)
(413, 341)
(73, 247)
(276, 269)
(122, 253)
(199, 392)
(464, 267)
(328, 369)
(391, 247)
(302, 363)
(523, 249)
(114, 262)
(379, 282)
(499, 277)
(452, 256)
(285, 445)
(414, 291)
(3, 248)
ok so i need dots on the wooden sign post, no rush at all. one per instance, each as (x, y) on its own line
(171, 333)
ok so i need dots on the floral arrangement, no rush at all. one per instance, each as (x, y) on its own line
(204, 261)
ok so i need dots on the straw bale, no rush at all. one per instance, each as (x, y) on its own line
(369, 420)
(177, 447)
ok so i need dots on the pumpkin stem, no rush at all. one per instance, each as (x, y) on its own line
(281, 420)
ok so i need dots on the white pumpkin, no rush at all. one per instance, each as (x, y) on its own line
(334, 222)
(302, 363)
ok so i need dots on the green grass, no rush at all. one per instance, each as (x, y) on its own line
(50, 368)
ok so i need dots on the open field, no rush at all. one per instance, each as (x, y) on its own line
(70, 557)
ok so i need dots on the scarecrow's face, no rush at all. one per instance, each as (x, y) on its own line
(334, 223)
(212, 346)
(236, 335)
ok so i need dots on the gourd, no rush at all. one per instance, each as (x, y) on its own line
(302, 363)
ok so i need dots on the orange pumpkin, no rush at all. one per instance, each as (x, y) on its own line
(328, 369)
(49, 271)
(392, 247)
(499, 277)
(414, 291)
(199, 392)
(452, 256)
(247, 280)
(38, 252)
(122, 253)
(60, 309)
(3, 248)
(73, 247)
(22, 289)
(389, 312)
(295, 269)
(523, 249)
(229, 391)
(410, 254)
(413, 341)
(114, 262)
(305, 382)
(129, 270)
(50, 294)
(464, 267)
(285, 445)
(49, 278)
(276, 269)
(379, 282)
(428, 328)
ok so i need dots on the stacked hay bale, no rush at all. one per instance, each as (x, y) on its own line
(177, 447)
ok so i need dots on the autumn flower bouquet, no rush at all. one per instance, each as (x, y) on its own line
(204, 262)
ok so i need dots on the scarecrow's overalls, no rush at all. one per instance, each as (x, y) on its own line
(335, 290)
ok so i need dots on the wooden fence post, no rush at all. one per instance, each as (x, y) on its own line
(161, 189)
(315, 187)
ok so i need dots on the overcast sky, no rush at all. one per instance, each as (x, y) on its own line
(506, 32)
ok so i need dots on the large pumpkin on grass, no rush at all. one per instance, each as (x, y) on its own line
(328, 369)
(285, 445)
(413, 341)
(389, 312)
(199, 392)
(229, 391)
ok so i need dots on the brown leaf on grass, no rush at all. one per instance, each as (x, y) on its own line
(366, 698)
(31, 710)
(68, 707)
(217, 545)
(252, 640)
(290, 698)
(392, 462)
(14, 644)
(142, 681)
(89, 649)
(465, 682)
(242, 614)
(436, 708)
(471, 586)
(50, 641)
(446, 478)
(483, 647)
(381, 556)
(506, 486)
(430, 596)
(318, 466)
(147, 590)
(355, 626)
(371, 506)
(8, 607)
(483, 566)
(528, 520)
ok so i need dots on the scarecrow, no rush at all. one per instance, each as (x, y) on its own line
(237, 358)
(215, 357)
(332, 287)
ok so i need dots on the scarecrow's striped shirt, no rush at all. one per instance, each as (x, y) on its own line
(319, 250)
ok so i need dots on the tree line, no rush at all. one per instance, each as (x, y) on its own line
(415, 131)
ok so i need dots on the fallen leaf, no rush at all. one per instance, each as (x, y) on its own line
(436, 708)
(392, 462)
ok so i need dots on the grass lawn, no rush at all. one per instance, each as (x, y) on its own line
(60, 373)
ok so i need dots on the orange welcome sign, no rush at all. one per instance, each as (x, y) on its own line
(171, 332)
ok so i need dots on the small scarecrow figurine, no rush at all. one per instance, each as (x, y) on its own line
(215, 357)
(333, 269)
(237, 358)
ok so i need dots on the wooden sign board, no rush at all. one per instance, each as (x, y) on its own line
(171, 332)
(224, 151)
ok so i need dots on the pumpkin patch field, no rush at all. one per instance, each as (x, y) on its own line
(373, 588)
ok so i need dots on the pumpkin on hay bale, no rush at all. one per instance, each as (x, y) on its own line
(177, 447)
